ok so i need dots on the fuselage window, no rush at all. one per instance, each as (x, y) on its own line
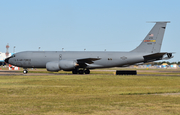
(109, 58)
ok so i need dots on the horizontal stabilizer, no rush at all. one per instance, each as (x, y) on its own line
(157, 56)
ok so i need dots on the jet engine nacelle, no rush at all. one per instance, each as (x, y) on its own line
(52, 66)
(67, 64)
(61, 65)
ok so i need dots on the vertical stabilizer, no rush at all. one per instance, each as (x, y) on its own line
(153, 41)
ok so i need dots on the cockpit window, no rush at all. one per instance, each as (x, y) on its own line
(13, 55)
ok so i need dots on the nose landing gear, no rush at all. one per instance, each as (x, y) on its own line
(25, 71)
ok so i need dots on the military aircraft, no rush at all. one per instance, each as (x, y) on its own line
(80, 62)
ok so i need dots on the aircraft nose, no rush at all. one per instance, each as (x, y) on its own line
(7, 60)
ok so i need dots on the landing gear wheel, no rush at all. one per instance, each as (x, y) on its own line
(87, 71)
(81, 71)
(74, 71)
(25, 71)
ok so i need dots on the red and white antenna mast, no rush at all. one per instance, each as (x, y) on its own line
(7, 50)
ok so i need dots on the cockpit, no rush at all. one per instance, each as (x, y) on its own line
(13, 55)
(7, 59)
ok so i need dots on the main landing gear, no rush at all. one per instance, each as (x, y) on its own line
(77, 71)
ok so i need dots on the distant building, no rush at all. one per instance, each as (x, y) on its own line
(174, 66)
(164, 65)
(3, 57)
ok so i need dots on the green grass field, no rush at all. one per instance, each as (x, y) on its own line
(96, 93)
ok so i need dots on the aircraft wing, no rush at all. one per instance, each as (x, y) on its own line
(157, 56)
(87, 60)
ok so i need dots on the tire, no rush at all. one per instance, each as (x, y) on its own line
(74, 71)
(87, 71)
(81, 72)
(25, 71)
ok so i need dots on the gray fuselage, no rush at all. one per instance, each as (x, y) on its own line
(39, 59)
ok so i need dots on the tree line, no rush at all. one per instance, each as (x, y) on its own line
(160, 63)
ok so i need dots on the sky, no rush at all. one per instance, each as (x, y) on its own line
(93, 25)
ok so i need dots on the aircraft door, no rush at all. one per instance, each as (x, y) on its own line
(60, 56)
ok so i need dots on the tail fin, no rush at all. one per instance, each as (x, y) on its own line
(153, 41)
